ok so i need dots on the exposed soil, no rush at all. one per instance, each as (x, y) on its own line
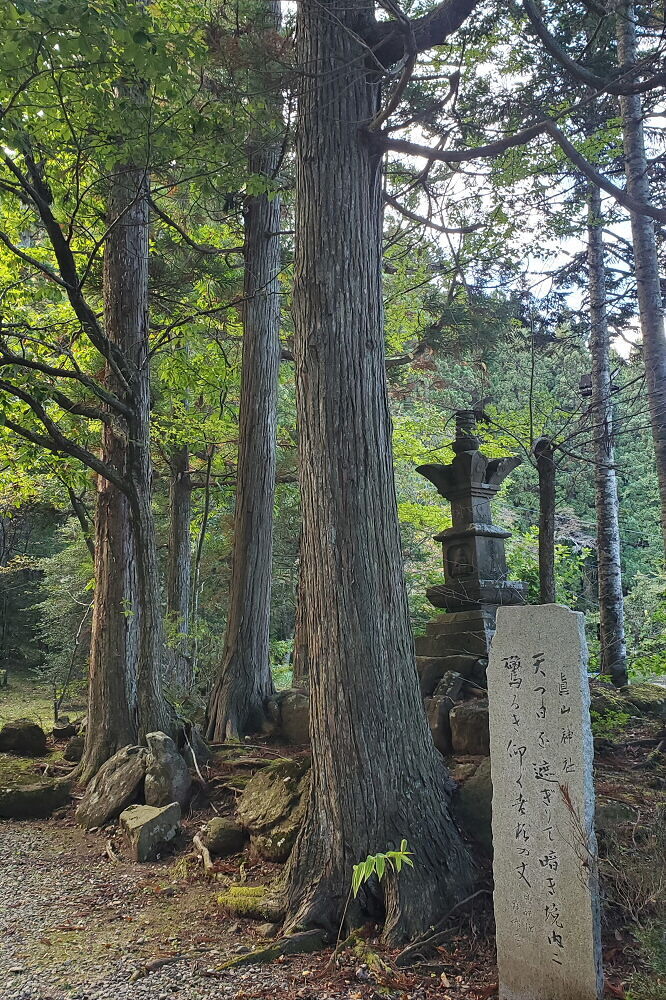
(75, 923)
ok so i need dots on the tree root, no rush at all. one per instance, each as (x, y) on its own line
(415, 950)
(204, 854)
(302, 943)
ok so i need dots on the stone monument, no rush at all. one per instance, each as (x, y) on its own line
(475, 570)
(545, 860)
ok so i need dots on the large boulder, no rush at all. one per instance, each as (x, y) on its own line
(148, 828)
(649, 699)
(32, 801)
(472, 806)
(167, 775)
(294, 716)
(470, 732)
(605, 699)
(223, 836)
(115, 786)
(23, 737)
(272, 807)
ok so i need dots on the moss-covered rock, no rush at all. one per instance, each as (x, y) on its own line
(272, 807)
(223, 836)
(648, 699)
(33, 801)
(605, 699)
(253, 902)
(23, 737)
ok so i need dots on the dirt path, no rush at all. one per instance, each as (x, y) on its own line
(74, 924)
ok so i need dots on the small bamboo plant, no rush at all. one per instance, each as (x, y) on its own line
(376, 864)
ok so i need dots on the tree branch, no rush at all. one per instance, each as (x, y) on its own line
(581, 73)
(520, 138)
(9, 357)
(56, 441)
(389, 42)
(422, 221)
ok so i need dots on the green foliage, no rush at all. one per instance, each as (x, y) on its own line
(609, 724)
(645, 623)
(376, 864)
(650, 983)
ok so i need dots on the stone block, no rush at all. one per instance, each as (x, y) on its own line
(469, 728)
(452, 685)
(148, 828)
(437, 711)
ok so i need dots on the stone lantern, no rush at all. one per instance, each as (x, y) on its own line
(475, 572)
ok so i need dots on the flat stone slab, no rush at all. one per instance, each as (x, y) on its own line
(147, 828)
(545, 858)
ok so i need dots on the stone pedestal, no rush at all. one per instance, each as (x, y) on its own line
(475, 571)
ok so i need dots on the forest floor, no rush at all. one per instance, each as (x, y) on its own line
(82, 922)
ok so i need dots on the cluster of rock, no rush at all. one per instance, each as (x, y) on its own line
(146, 788)
(456, 702)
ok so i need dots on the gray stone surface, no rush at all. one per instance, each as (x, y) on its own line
(469, 728)
(147, 828)
(472, 806)
(294, 716)
(74, 749)
(114, 787)
(32, 801)
(272, 807)
(437, 712)
(22, 737)
(167, 775)
(223, 836)
(545, 859)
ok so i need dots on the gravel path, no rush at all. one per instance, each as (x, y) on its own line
(75, 925)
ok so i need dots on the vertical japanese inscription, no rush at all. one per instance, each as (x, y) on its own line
(544, 850)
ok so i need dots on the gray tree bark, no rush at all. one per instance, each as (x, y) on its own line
(650, 302)
(611, 604)
(237, 703)
(179, 568)
(125, 696)
(543, 453)
(376, 776)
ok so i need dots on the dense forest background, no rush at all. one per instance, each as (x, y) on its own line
(485, 295)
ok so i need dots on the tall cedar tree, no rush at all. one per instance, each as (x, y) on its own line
(237, 703)
(376, 776)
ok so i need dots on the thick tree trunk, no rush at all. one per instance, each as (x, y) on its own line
(650, 303)
(611, 606)
(244, 684)
(543, 453)
(179, 569)
(376, 776)
(125, 698)
(112, 720)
